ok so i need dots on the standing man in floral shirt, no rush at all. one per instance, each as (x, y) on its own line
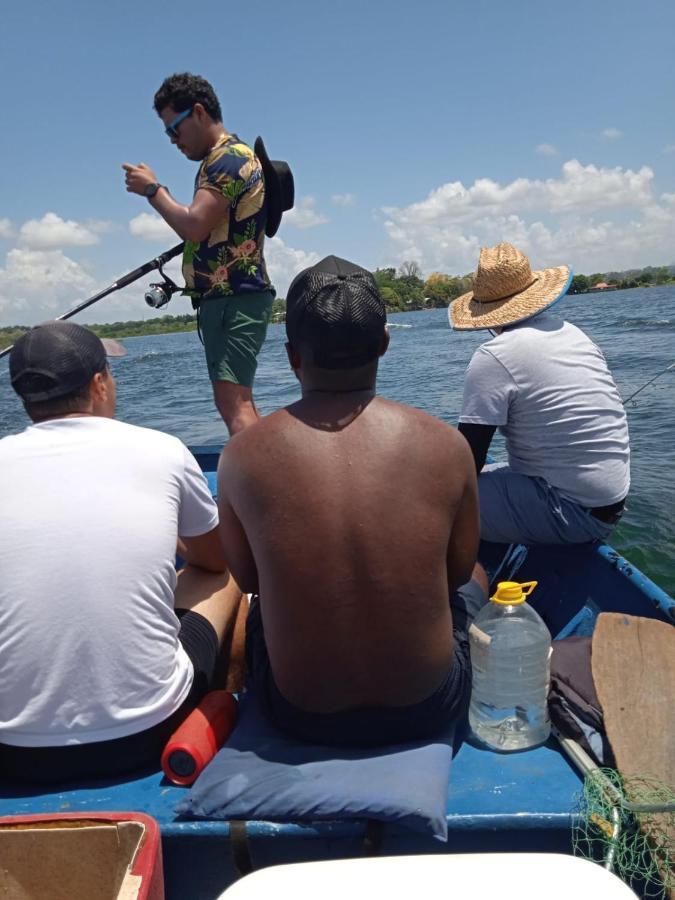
(239, 197)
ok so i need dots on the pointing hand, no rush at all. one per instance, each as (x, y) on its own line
(138, 177)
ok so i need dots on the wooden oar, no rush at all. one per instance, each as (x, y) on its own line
(633, 662)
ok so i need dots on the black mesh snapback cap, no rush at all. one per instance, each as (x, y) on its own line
(335, 310)
(57, 359)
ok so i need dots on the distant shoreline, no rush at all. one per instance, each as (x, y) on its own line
(9, 334)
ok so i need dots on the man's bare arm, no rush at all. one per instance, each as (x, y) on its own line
(238, 551)
(192, 223)
(204, 551)
(195, 222)
(465, 533)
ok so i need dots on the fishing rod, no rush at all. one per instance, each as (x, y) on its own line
(166, 288)
(647, 383)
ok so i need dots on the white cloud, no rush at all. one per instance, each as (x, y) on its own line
(546, 149)
(6, 229)
(595, 218)
(304, 215)
(151, 227)
(344, 199)
(52, 232)
(39, 284)
(580, 189)
(284, 263)
(612, 134)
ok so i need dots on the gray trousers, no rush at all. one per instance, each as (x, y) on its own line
(520, 509)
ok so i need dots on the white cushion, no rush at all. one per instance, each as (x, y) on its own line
(478, 876)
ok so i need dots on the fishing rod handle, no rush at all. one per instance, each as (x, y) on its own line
(149, 266)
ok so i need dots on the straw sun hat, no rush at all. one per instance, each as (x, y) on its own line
(506, 290)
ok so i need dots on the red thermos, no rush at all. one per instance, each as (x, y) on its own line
(199, 738)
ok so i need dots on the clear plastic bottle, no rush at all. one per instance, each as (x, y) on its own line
(510, 658)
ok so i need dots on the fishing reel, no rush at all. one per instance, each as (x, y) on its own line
(158, 295)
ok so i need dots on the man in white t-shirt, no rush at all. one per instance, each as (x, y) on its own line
(547, 388)
(104, 649)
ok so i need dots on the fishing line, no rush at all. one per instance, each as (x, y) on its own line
(647, 383)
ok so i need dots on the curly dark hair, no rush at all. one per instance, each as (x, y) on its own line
(183, 90)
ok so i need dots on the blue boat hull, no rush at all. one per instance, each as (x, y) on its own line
(497, 802)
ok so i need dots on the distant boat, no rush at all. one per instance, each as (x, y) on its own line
(397, 325)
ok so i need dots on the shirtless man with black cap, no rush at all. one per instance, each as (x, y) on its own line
(354, 519)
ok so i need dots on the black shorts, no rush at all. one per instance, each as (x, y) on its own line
(371, 726)
(135, 751)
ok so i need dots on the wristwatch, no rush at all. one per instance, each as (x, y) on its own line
(151, 189)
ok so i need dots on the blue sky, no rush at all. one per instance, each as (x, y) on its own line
(421, 131)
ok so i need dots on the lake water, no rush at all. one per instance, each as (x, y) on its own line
(162, 383)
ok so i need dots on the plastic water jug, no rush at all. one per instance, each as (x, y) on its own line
(510, 658)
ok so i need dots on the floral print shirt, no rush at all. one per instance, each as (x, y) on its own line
(230, 260)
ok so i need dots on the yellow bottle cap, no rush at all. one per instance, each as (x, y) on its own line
(510, 593)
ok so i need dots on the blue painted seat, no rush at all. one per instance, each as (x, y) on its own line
(496, 801)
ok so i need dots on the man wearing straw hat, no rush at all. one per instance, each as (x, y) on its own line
(546, 387)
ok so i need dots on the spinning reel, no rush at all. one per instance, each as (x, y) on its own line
(159, 294)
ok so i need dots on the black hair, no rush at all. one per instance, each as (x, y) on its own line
(183, 90)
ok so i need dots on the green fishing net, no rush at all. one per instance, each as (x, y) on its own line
(637, 845)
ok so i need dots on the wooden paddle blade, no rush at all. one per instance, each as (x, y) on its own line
(633, 661)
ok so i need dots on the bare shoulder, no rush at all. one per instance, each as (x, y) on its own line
(430, 440)
(417, 418)
(249, 441)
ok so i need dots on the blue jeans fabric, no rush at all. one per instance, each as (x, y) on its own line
(520, 509)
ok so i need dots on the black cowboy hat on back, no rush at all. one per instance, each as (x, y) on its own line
(279, 187)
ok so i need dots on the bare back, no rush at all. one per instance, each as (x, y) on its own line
(357, 521)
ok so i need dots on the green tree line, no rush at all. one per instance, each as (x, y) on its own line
(136, 328)
(633, 278)
(405, 289)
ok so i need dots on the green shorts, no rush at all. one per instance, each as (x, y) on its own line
(233, 330)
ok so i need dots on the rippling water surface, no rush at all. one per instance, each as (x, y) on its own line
(162, 383)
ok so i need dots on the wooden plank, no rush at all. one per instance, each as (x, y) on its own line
(633, 661)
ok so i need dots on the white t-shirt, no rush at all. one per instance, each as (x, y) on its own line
(90, 509)
(547, 387)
